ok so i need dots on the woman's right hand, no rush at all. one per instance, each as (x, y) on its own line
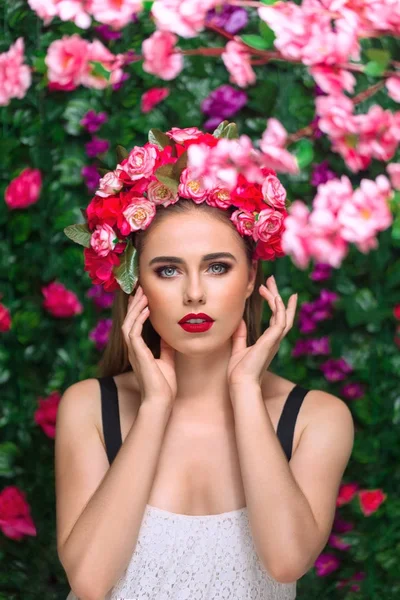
(156, 377)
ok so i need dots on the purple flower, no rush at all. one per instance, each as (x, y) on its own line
(224, 102)
(340, 525)
(321, 272)
(107, 33)
(230, 18)
(322, 173)
(96, 146)
(101, 298)
(92, 177)
(353, 391)
(117, 86)
(93, 121)
(100, 333)
(312, 347)
(336, 369)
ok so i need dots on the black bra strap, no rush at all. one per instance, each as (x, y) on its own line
(110, 416)
(287, 421)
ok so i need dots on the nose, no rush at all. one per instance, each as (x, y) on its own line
(194, 292)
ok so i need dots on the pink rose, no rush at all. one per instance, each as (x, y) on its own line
(269, 224)
(158, 193)
(97, 52)
(46, 415)
(138, 214)
(394, 172)
(184, 17)
(273, 192)
(183, 135)
(109, 185)
(60, 302)
(237, 60)
(152, 97)
(24, 189)
(116, 14)
(5, 318)
(244, 221)
(67, 62)
(102, 239)
(191, 187)
(15, 518)
(45, 9)
(141, 162)
(160, 56)
(219, 197)
(15, 77)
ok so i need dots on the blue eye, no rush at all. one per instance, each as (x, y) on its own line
(225, 266)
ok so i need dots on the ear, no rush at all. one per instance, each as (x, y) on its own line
(252, 278)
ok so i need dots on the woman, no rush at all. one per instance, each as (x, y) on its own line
(188, 469)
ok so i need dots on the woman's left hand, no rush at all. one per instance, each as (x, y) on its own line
(247, 365)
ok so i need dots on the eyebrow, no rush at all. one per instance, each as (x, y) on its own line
(180, 261)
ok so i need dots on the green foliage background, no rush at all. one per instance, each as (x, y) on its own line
(41, 354)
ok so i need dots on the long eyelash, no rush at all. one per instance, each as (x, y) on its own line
(227, 266)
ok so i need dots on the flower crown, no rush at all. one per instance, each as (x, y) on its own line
(219, 169)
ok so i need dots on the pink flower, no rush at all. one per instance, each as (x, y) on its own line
(394, 172)
(244, 221)
(346, 493)
(66, 10)
(139, 213)
(97, 52)
(67, 62)
(333, 80)
(159, 193)
(273, 191)
(153, 97)
(109, 185)
(269, 224)
(15, 77)
(46, 414)
(102, 239)
(160, 56)
(237, 60)
(60, 302)
(15, 517)
(101, 333)
(219, 197)
(326, 564)
(191, 187)
(366, 213)
(393, 87)
(183, 135)
(141, 162)
(336, 115)
(272, 146)
(183, 17)
(45, 9)
(5, 319)
(116, 14)
(24, 189)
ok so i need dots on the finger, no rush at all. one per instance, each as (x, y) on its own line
(133, 313)
(280, 314)
(291, 312)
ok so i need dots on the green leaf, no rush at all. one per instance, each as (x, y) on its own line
(159, 138)
(99, 70)
(226, 130)
(255, 41)
(39, 64)
(180, 165)
(121, 153)
(267, 34)
(127, 271)
(304, 152)
(79, 233)
(269, 2)
(167, 176)
(396, 228)
(378, 63)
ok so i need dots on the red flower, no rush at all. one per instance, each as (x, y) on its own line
(5, 318)
(24, 190)
(15, 518)
(370, 501)
(247, 196)
(100, 269)
(153, 97)
(206, 138)
(46, 414)
(103, 210)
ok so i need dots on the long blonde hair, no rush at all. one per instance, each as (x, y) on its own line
(115, 356)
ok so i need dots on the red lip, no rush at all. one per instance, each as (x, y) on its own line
(195, 316)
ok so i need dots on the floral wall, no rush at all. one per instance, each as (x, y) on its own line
(315, 87)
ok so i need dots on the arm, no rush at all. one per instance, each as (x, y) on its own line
(100, 545)
(291, 507)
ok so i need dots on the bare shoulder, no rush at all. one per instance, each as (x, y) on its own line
(81, 399)
(329, 408)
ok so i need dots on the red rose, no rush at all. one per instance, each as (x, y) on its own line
(100, 269)
(247, 196)
(206, 138)
(15, 519)
(46, 414)
(5, 318)
(103, 210)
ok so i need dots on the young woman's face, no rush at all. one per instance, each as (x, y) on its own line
(218, 286)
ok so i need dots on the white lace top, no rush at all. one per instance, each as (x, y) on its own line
(195, 557)
(185, 557)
